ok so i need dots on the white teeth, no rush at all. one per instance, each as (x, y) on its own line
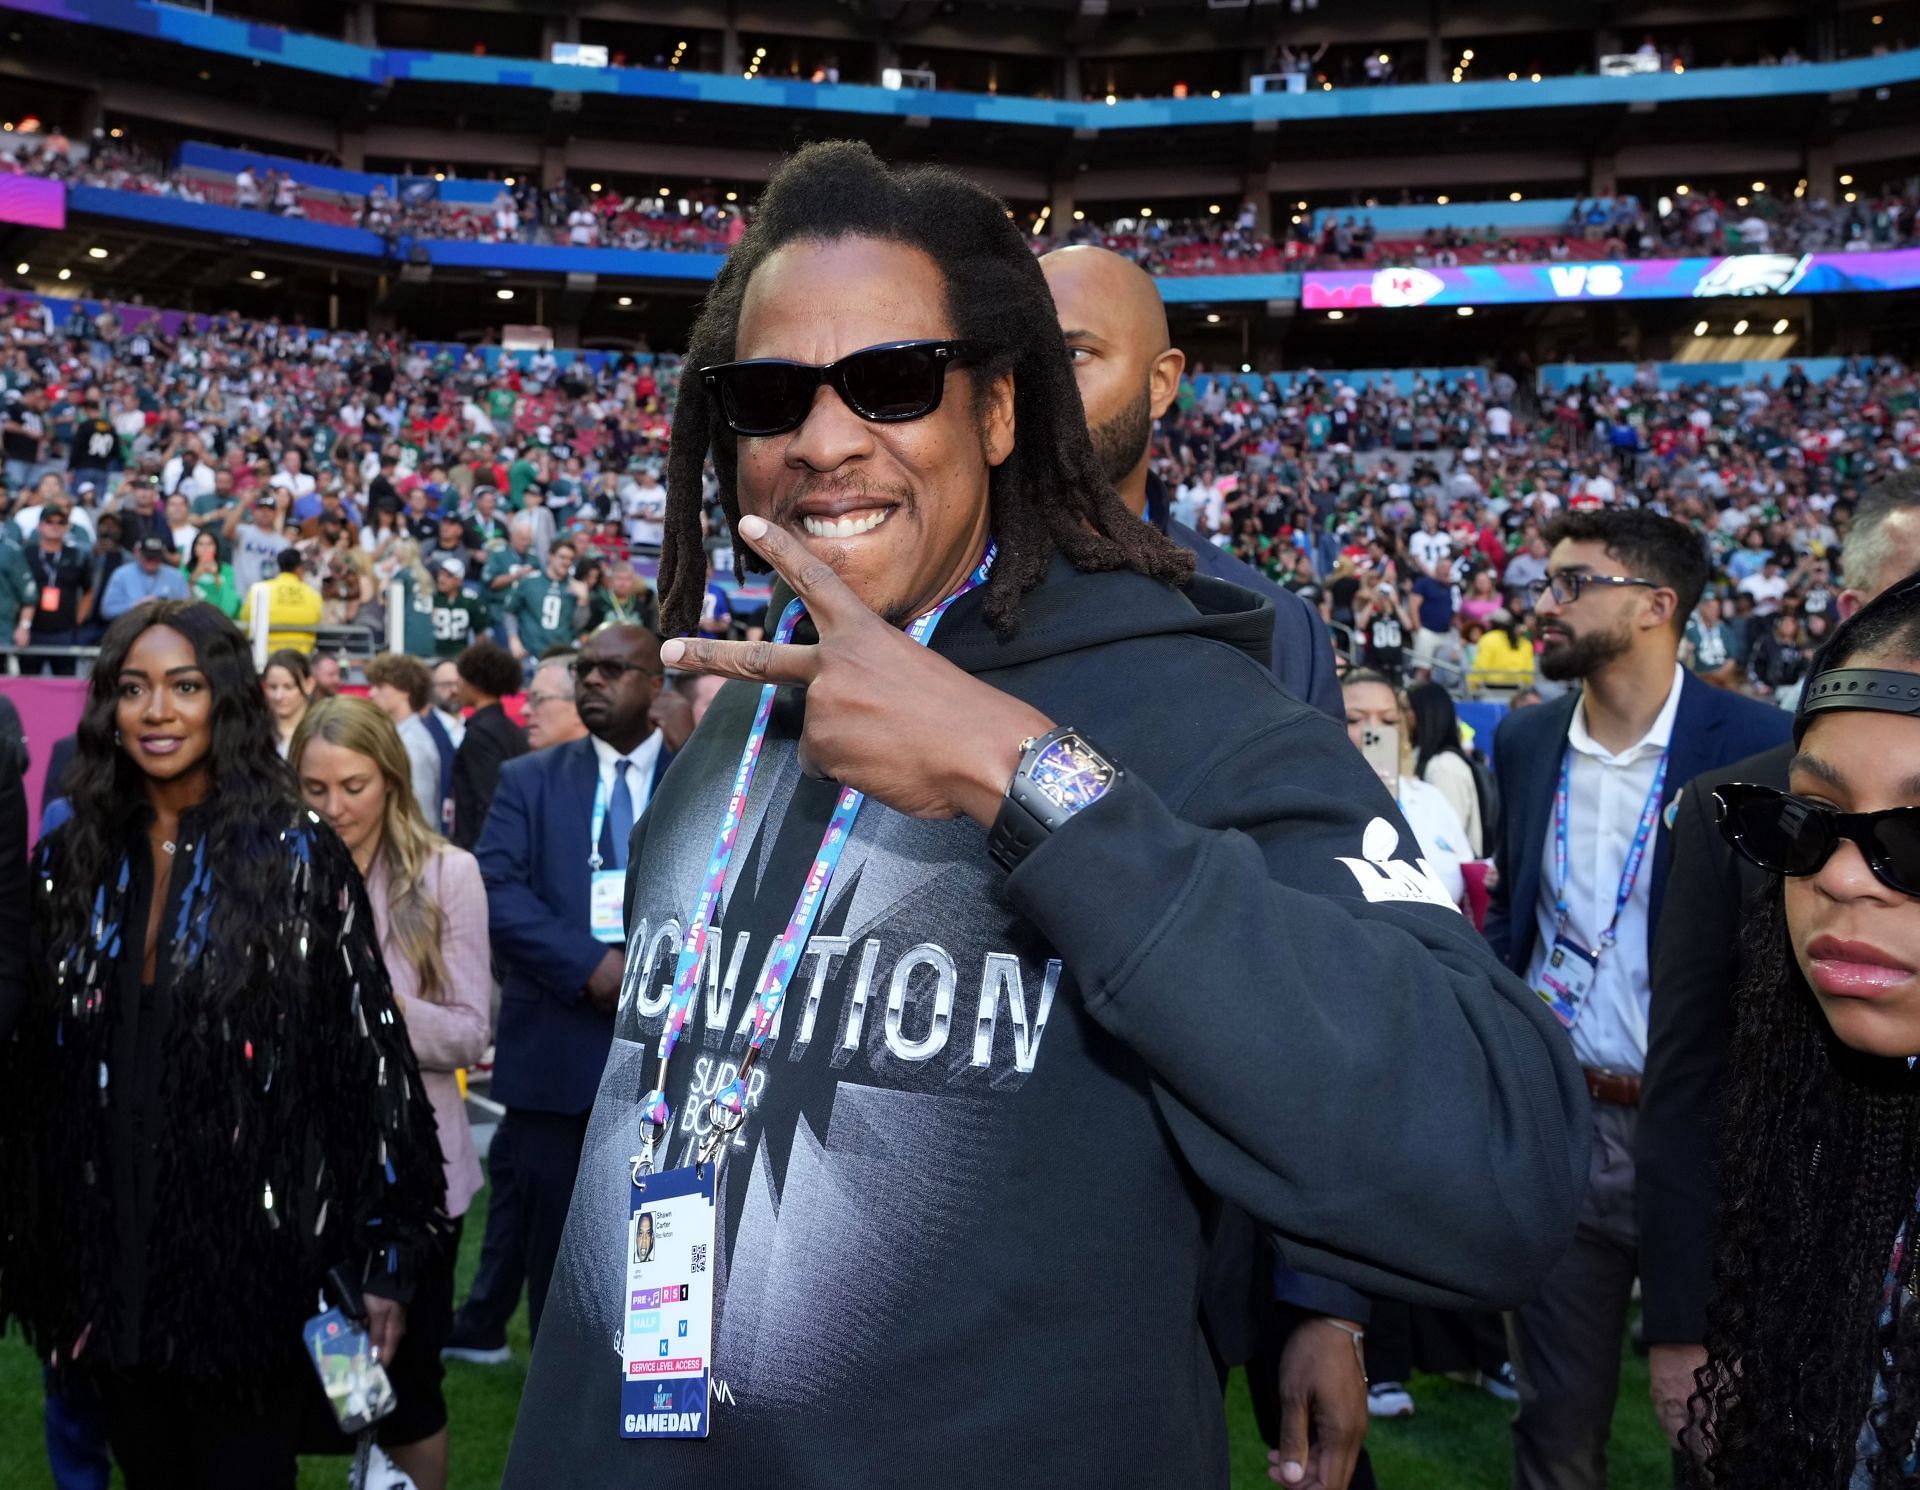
(844, 527)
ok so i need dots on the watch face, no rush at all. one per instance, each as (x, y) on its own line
(1070, 773)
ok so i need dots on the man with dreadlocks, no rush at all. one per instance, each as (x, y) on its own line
(975, 998)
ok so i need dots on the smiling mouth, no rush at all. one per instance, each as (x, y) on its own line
(160, 744)
(849, 526)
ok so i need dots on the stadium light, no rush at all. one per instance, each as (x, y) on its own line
(509, 181)
(64, 274)
(1467, 55)
(116, 132)
(1513, 77)
(733, 196)
(23, 268)
(256, 274)
(1739, 201)
(1759, 186)
(1851, 196)
(1213, 318)
(1216, 93)
(1111, 99)
(1534, 78)
(1246, 367)
(1780, 327)
(96, 253)
(1078, 215)
(1740, 327)
(1146, 212)
(1336, 315)
(1213, 208)
(1846, 180)
(503, 294)
(1326, 87)
(1513, 196)
(439, 175)
(626, 300)
(1302, 205)
(1682, 189)
(1295, 219)
(1463, 310)
(593, 186)
(1384, 59)
(1699, 328)
(1443, 199)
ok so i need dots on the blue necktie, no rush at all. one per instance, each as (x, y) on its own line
(620, 813)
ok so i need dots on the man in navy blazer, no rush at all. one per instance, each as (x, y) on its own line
(1588, 784)
(554, 909)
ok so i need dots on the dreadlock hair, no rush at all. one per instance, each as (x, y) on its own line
(1820, 1163)
(1048, 496)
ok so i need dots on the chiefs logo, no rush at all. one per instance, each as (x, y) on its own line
(1403, 287)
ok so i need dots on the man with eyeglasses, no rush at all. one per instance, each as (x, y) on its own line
(553, 854)
(1587, 781)
(552, 718)
(64, 593)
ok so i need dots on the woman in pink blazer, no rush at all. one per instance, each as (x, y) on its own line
(430, 909)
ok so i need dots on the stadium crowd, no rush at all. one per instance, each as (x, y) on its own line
(138, 464)
(480, 527)
(1703, 222)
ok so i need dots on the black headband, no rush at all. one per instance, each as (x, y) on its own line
(1877, 688)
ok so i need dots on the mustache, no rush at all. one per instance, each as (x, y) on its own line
(834, 485)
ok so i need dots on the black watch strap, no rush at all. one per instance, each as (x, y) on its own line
(1016, 833)
(1027, 814)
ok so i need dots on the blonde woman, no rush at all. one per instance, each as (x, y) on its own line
(430, 910)
(402, 565)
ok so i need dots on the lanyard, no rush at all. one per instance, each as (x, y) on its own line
(1642, 835)
(594, 861)
(729, 1104)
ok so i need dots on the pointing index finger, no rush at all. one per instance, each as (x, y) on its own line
(826, 596)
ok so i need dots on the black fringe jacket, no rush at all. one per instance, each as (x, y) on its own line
(181, 1164)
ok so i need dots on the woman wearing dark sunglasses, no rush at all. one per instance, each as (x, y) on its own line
(1813, 1373)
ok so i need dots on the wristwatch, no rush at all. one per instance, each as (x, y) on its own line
(1059, 773)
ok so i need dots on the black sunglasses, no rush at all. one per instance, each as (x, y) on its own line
(887, 384)
(1785, 834)
(611, 669)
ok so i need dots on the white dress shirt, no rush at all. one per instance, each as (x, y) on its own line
(1605, 796)
(423, 756)
(644, 757)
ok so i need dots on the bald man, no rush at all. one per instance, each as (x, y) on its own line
(1116, 330)
(1311, 1396)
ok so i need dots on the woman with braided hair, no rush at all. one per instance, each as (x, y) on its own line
(1813, 1337)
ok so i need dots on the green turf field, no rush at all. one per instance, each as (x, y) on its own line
(1457, 1440)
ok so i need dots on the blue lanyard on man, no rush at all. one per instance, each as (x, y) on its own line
(1567, 976)
(607, 886)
